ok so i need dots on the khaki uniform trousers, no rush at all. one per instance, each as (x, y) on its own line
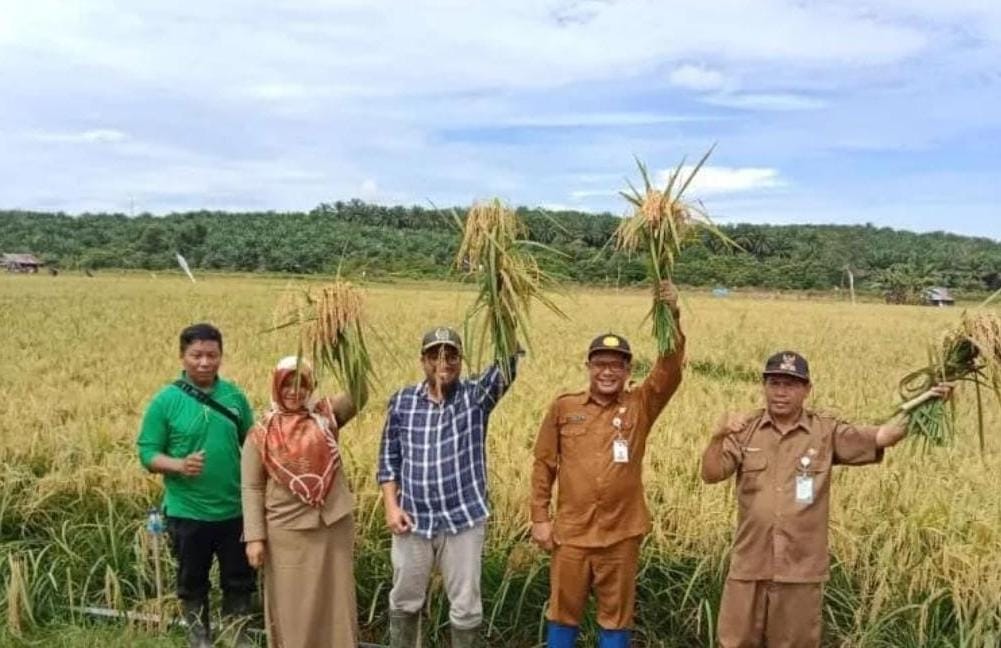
(754, 614)
(611, 571)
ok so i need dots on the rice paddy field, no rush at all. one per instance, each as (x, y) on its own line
(916, 542)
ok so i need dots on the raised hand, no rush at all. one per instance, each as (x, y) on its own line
(668, 293)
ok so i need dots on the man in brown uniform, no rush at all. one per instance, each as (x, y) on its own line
(782, 456)
(593, 442)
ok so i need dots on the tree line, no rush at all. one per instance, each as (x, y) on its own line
(419, 242)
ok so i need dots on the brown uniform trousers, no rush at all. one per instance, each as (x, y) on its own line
(765, 613)
(774, 591)
(601, 514)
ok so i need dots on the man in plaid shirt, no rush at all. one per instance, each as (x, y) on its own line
(432, 470)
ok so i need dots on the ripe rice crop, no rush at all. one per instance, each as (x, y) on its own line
(661, 224)
(916, 541)
(328, 322)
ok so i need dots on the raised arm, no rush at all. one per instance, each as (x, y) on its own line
(665, 376)
(491, 385)
(856, 445)
(343, 408)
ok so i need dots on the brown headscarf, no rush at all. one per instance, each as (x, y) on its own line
(299, 447)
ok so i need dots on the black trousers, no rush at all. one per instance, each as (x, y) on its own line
(195, 542)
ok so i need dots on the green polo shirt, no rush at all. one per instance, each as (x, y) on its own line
(175, 424)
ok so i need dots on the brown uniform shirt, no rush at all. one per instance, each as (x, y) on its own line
(599, 502)
(779, 538)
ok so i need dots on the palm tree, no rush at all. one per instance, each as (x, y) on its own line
(905, 283)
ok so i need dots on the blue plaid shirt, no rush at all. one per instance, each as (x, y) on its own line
(436, 452)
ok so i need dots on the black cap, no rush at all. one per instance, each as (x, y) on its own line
(441, 335)
(788, 363)
(610, 342)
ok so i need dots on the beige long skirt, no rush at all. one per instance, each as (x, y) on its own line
(309, 587)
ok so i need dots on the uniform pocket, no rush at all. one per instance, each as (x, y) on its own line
(752, 471)
(572, 427)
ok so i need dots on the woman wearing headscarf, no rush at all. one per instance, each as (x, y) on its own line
(297, 506)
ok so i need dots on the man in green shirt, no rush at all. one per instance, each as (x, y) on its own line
(192, 433)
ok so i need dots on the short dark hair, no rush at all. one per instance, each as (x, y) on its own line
(202, 331)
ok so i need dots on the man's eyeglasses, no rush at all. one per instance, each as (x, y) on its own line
(615, 366)
(447, 358)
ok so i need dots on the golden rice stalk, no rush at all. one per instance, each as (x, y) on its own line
(661, 225)
(330, 322)
(970, 352)
(19, 612)
(492, 251)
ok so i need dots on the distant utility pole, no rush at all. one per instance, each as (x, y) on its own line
(851, 282)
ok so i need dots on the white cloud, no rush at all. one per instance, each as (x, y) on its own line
(715, 180)
(698, 78)
(584, 194)
(516, 44)
(597, 119)
(242, 102)
(95, 136)
(710, 181)
(765, 101)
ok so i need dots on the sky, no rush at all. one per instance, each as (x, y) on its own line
(821, 111)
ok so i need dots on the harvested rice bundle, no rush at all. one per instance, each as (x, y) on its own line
(971, 352)
(493, 253)
(661, 225)
(331, 326)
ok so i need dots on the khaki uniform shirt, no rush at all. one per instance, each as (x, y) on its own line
(779, 538)
(599, 502)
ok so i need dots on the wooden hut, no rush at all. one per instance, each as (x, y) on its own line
(21, 263)
(937, 296)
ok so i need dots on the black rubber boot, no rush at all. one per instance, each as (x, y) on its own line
(196, 619)
(466, 638)
(403, 629)
(236, 613)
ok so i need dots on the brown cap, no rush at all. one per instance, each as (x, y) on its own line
(788, 363)
(610, 342)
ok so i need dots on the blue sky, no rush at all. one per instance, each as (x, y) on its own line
(843, 111)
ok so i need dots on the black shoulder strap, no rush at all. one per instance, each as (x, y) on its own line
(205, 399)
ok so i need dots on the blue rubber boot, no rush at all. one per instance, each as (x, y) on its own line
(613, 638)
(561, 636)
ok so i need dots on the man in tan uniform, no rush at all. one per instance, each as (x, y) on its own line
(782, 456)
(593, 443)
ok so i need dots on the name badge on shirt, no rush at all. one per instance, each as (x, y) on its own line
(620, 451)
(804, 489)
